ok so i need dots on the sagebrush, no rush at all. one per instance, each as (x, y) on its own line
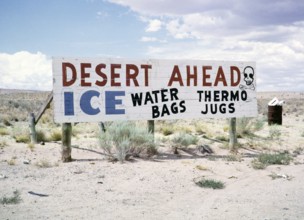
(184, 139)
(247, 126)
(15, 199)
(265, 159)
(124, 139)
(210, 183)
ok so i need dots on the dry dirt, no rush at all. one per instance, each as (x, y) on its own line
(162, 187)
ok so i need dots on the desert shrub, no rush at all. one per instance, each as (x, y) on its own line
(76, 131)
(20, 133)
(278, 158)
(56, 135)
(201, 128)
(124, 139)
(12, 161)
(243, 126)
(298, 151)
(3, 131)
(6, 121)
(167, 130)
(274, 132)
(222, 138)
(226, 128)
(31, 146)
(201, 167)
(266, 159)
(23, 138)
(210, 183)
(256, 164)
(43, 163)
(15, 199)
(3, 143)
(46, 118)
(183, 128)
(233, 157)
(247, 126)
(258, 124)
(41, 136)
(184, 139)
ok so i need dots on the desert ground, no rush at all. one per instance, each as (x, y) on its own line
(35, 184)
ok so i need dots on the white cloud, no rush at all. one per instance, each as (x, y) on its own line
(278, 66)
(268, 32)
(148, 39)
(152, 39)
(154, 25)
(253, 12)
(25, 70)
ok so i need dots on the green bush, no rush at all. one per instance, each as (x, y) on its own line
(274, 132)
(20, 133)
(279, 158)
(124, 139)
(184, 139)
(247, 126)
(15, 199)
(258, 124)
(265, 159)
(209, 183)
(243, 126)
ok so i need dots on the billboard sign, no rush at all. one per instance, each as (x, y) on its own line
(109, 89)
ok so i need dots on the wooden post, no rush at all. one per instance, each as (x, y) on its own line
(151, 126)
(66, 149)
(232, 135)
(32, 124)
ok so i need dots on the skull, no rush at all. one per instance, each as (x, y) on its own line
(248, 75)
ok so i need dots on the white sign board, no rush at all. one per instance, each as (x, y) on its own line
(106, 89)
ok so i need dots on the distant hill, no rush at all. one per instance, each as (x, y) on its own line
(14, 91)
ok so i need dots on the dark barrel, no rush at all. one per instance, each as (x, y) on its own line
(275, 114)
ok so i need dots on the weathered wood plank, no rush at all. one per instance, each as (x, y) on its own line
(44, 107)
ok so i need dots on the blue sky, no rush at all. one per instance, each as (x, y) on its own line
(69, 28)
(268, 32)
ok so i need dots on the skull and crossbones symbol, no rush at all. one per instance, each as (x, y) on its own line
(248, 74)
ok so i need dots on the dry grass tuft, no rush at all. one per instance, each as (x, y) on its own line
(4, 131)
(44, 163)
(15, 199)
(12, 161)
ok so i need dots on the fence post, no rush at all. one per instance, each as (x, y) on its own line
(151, 127)
(232, 135)
(66, 149)
(32, 125)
